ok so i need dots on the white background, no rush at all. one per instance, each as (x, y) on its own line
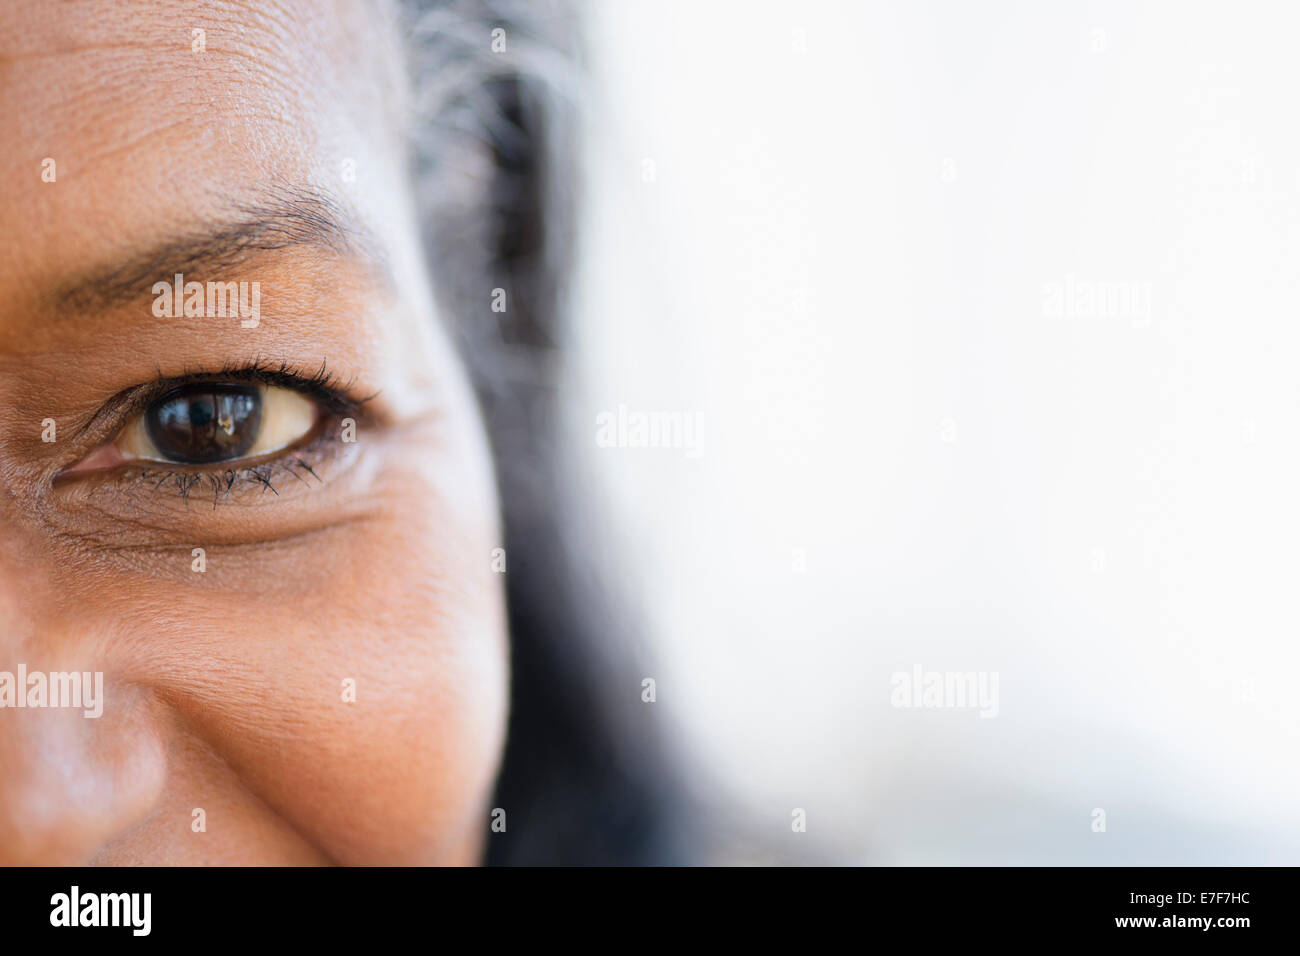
(842, 264)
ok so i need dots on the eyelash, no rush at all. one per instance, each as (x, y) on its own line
(221, 482)
(322, 385)
(330, 392)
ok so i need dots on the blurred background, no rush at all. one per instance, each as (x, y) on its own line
(987, 315)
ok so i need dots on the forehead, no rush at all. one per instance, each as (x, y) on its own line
(147, 115)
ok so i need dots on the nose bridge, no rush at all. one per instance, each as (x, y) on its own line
(81, 758)
(23, 589)
(14, 633)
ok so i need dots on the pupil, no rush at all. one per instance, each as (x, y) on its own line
(203, 423)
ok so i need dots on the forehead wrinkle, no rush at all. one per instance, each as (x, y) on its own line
(284, 217)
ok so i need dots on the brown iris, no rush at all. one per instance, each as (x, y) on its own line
(205, 422)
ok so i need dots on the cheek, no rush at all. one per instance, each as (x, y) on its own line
(378, 735)
(355, 684)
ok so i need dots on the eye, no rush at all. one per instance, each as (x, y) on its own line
(204, 423)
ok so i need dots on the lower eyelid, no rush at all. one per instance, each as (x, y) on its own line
(304, 462)
(298, 457)
(146, 506)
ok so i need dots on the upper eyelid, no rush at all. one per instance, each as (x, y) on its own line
(331, 393)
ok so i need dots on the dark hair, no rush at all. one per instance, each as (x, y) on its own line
(584, 779)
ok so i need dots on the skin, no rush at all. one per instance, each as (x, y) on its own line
(224, 689)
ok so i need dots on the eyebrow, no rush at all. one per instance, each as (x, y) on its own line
(283, 219)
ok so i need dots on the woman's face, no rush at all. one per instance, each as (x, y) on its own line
(284, 575)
